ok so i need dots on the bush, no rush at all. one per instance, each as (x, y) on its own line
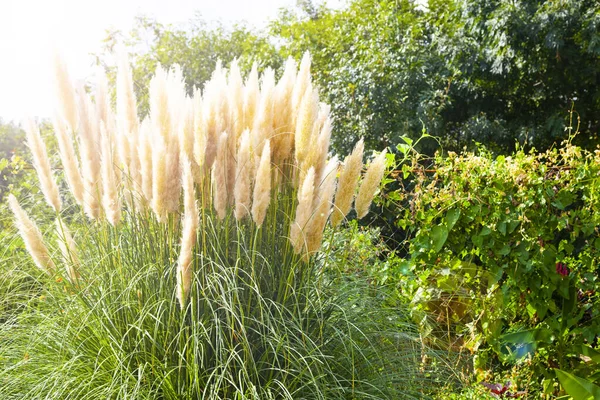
(503, 251)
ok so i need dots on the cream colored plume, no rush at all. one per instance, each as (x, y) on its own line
(89, 148)
(236, 100)
(32, 237)
(128, 125)
(159, 177)
(369, 185)
(110, 190)
(347, 184)
(242, 192)
(303, 81)
(200, 137)
(69, 159)
(188, 236)
(282, 111)
(251, 97)
(262, 186)
(220, 177)
(303, 211)
(263, 121)
(42, 164)
(145, 156)
(68, 249)
(305, 124)
(65, 92)
(316, 224)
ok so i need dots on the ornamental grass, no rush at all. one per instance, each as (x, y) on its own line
(186, 263)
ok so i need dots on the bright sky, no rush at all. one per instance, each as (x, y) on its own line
(31, 29)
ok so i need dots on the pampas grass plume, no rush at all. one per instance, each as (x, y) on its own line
(316, 225)
(369, 185)
(110, 190)
(42, 164)
(303, 210)
(65, 92)
(262, 186)
(32, 237)
(347, 184)
(69, 159)
(242, 192)
(220, 177)
(188, 236)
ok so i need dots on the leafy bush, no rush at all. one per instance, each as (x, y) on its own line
(504, 251)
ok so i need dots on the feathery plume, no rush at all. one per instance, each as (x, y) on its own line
(369, 185)
(251, 97)
(316, 225)
(303, 211)
(186, 129)
(145, 156)
(188, 236)
(303, 81)
(305, 122)
(69, 159)
(110, 190)
(220, 177)
(263, 120)
(32, 237)
(242, 182)
(200, 137)
(282, 111)
(65, 92)
(90, 155)
(159, 177)
(42, 164)
(262, 186)
(347, 184)
(68, 249)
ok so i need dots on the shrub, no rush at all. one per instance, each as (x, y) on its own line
(503, 250)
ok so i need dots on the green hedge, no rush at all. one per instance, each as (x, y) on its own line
(502, 253)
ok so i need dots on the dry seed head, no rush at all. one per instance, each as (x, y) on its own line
(242, 192)
(200, 135)
(110, 190)
(251, 97)
(347, 184)
(90, 155)
(145, 156)
(282, 110)
(303, 81)
(188, 236)
(303, 211)
(220, 178)
(262, 186)
(236, 99)
(42, 164)
(65, 92)
(316, 225)
(369, 185)
(305, 122)
(159, 176)
(69, 159)
(32, 237)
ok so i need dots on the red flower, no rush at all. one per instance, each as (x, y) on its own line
(562, 269)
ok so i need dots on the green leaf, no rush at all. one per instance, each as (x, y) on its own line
(576, 387)
(451, 217)
(439, 235)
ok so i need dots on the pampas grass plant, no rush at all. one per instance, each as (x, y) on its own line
(170, 290)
